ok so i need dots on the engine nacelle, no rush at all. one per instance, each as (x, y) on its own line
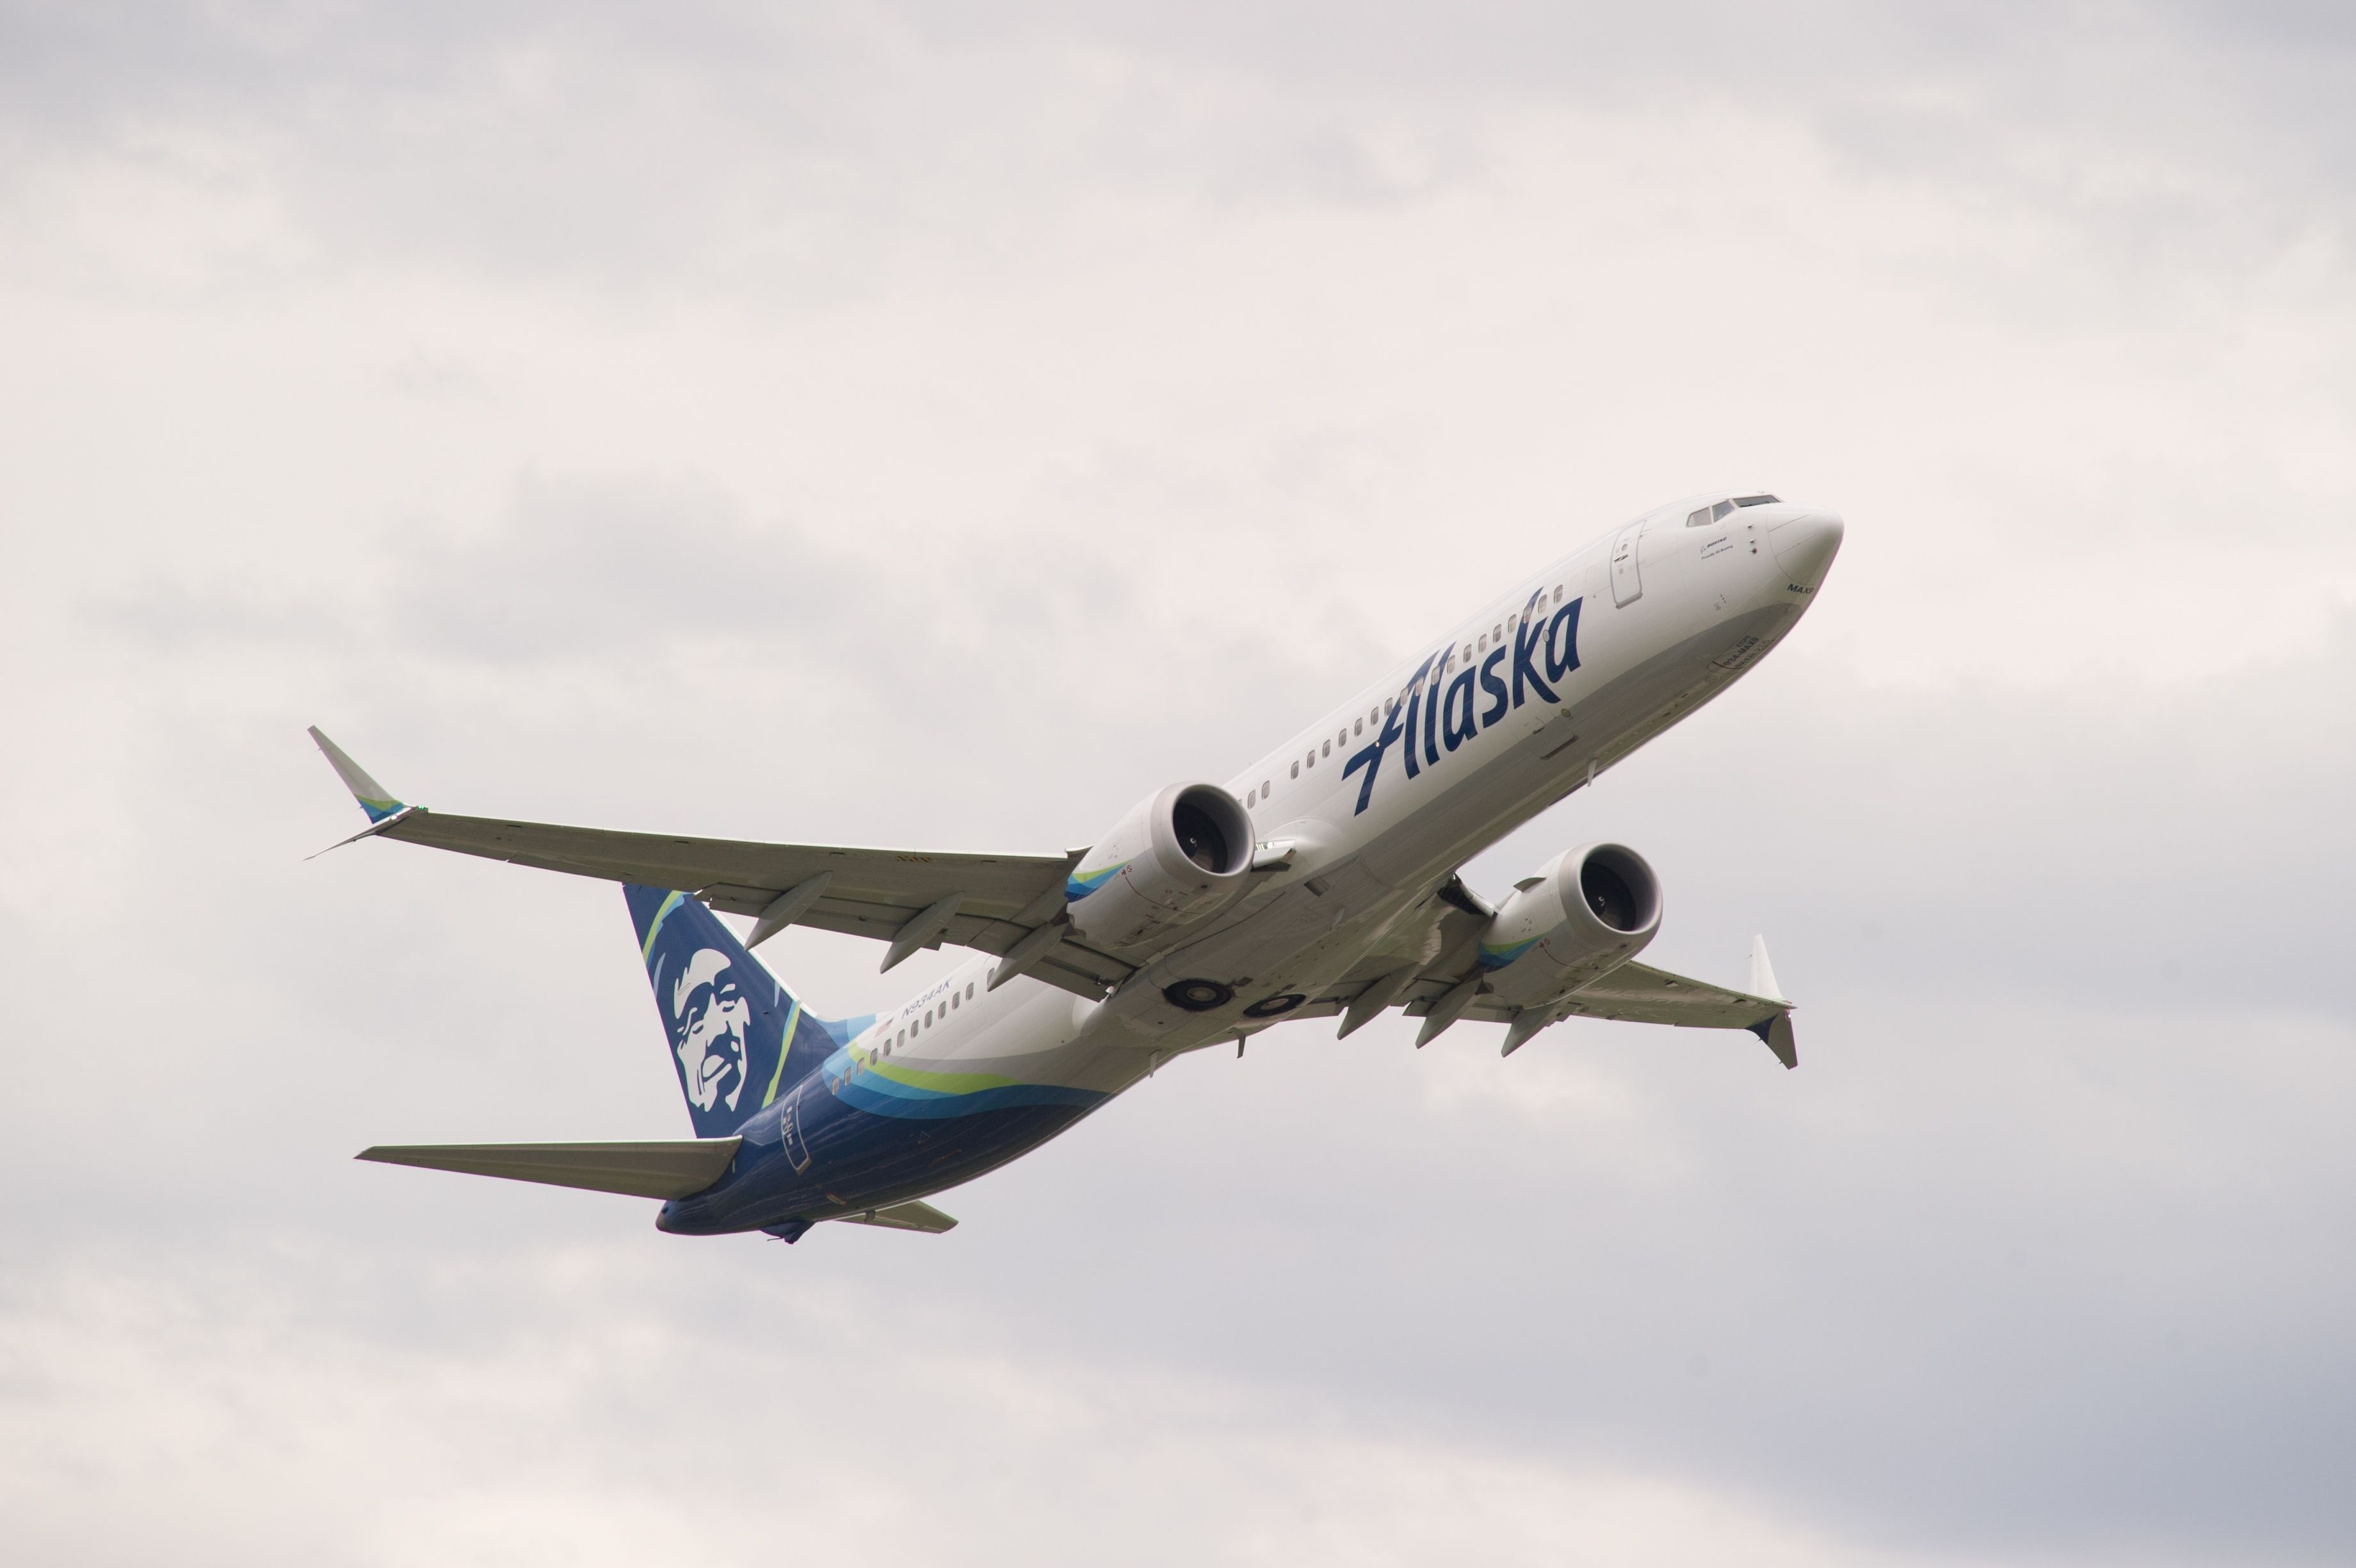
(1175, 857)
(1590, 911)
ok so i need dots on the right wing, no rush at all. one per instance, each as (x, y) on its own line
(1639, 994)
(910, 898)
(1451, 986)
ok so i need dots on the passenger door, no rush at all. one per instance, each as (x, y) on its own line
(1627, 585)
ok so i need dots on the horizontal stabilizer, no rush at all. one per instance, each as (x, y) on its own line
(905, 1217)
(636, 1170)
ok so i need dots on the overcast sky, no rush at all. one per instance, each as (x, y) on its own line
(941, 426)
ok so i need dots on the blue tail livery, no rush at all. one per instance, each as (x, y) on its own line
(737, 1036)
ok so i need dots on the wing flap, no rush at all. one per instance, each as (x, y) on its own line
(674, 1169)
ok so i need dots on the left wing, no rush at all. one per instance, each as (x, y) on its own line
(909, 898)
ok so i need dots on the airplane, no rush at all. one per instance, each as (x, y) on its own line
(1321, 881)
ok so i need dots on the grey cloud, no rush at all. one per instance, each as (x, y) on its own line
(2035, 1259)
(514, 139)
(616, 570)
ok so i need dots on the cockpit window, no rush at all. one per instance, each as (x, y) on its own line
(1710, 514)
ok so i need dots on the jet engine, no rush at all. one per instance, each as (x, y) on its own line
(1175, 857)
(1588, 911)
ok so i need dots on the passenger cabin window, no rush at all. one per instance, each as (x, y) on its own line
(1358, 727)
(1328, 748)
(968, 990)
(1264, 788)
(1296, 771)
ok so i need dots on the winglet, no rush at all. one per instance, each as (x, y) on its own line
(1762, 974)
(377, 800)
(1776, 1033)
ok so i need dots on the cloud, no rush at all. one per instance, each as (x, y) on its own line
(940, 430)
(377, 1448)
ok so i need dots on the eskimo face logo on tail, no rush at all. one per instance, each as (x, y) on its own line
(711, 1024)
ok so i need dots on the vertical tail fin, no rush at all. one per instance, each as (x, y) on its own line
(738, 1037)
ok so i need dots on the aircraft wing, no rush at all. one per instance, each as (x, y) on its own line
(1632, 994)
(1639, 994)
(1449, 988)
(909, 898)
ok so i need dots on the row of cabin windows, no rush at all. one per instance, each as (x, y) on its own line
(942, 1009)
(1374, 716)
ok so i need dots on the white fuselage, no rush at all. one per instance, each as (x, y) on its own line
(1663, 613)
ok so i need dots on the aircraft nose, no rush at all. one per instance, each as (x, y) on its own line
(1805, 543)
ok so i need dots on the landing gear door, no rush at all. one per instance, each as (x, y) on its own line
(1627, 585)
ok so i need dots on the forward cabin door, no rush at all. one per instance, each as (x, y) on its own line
(1627, 585)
